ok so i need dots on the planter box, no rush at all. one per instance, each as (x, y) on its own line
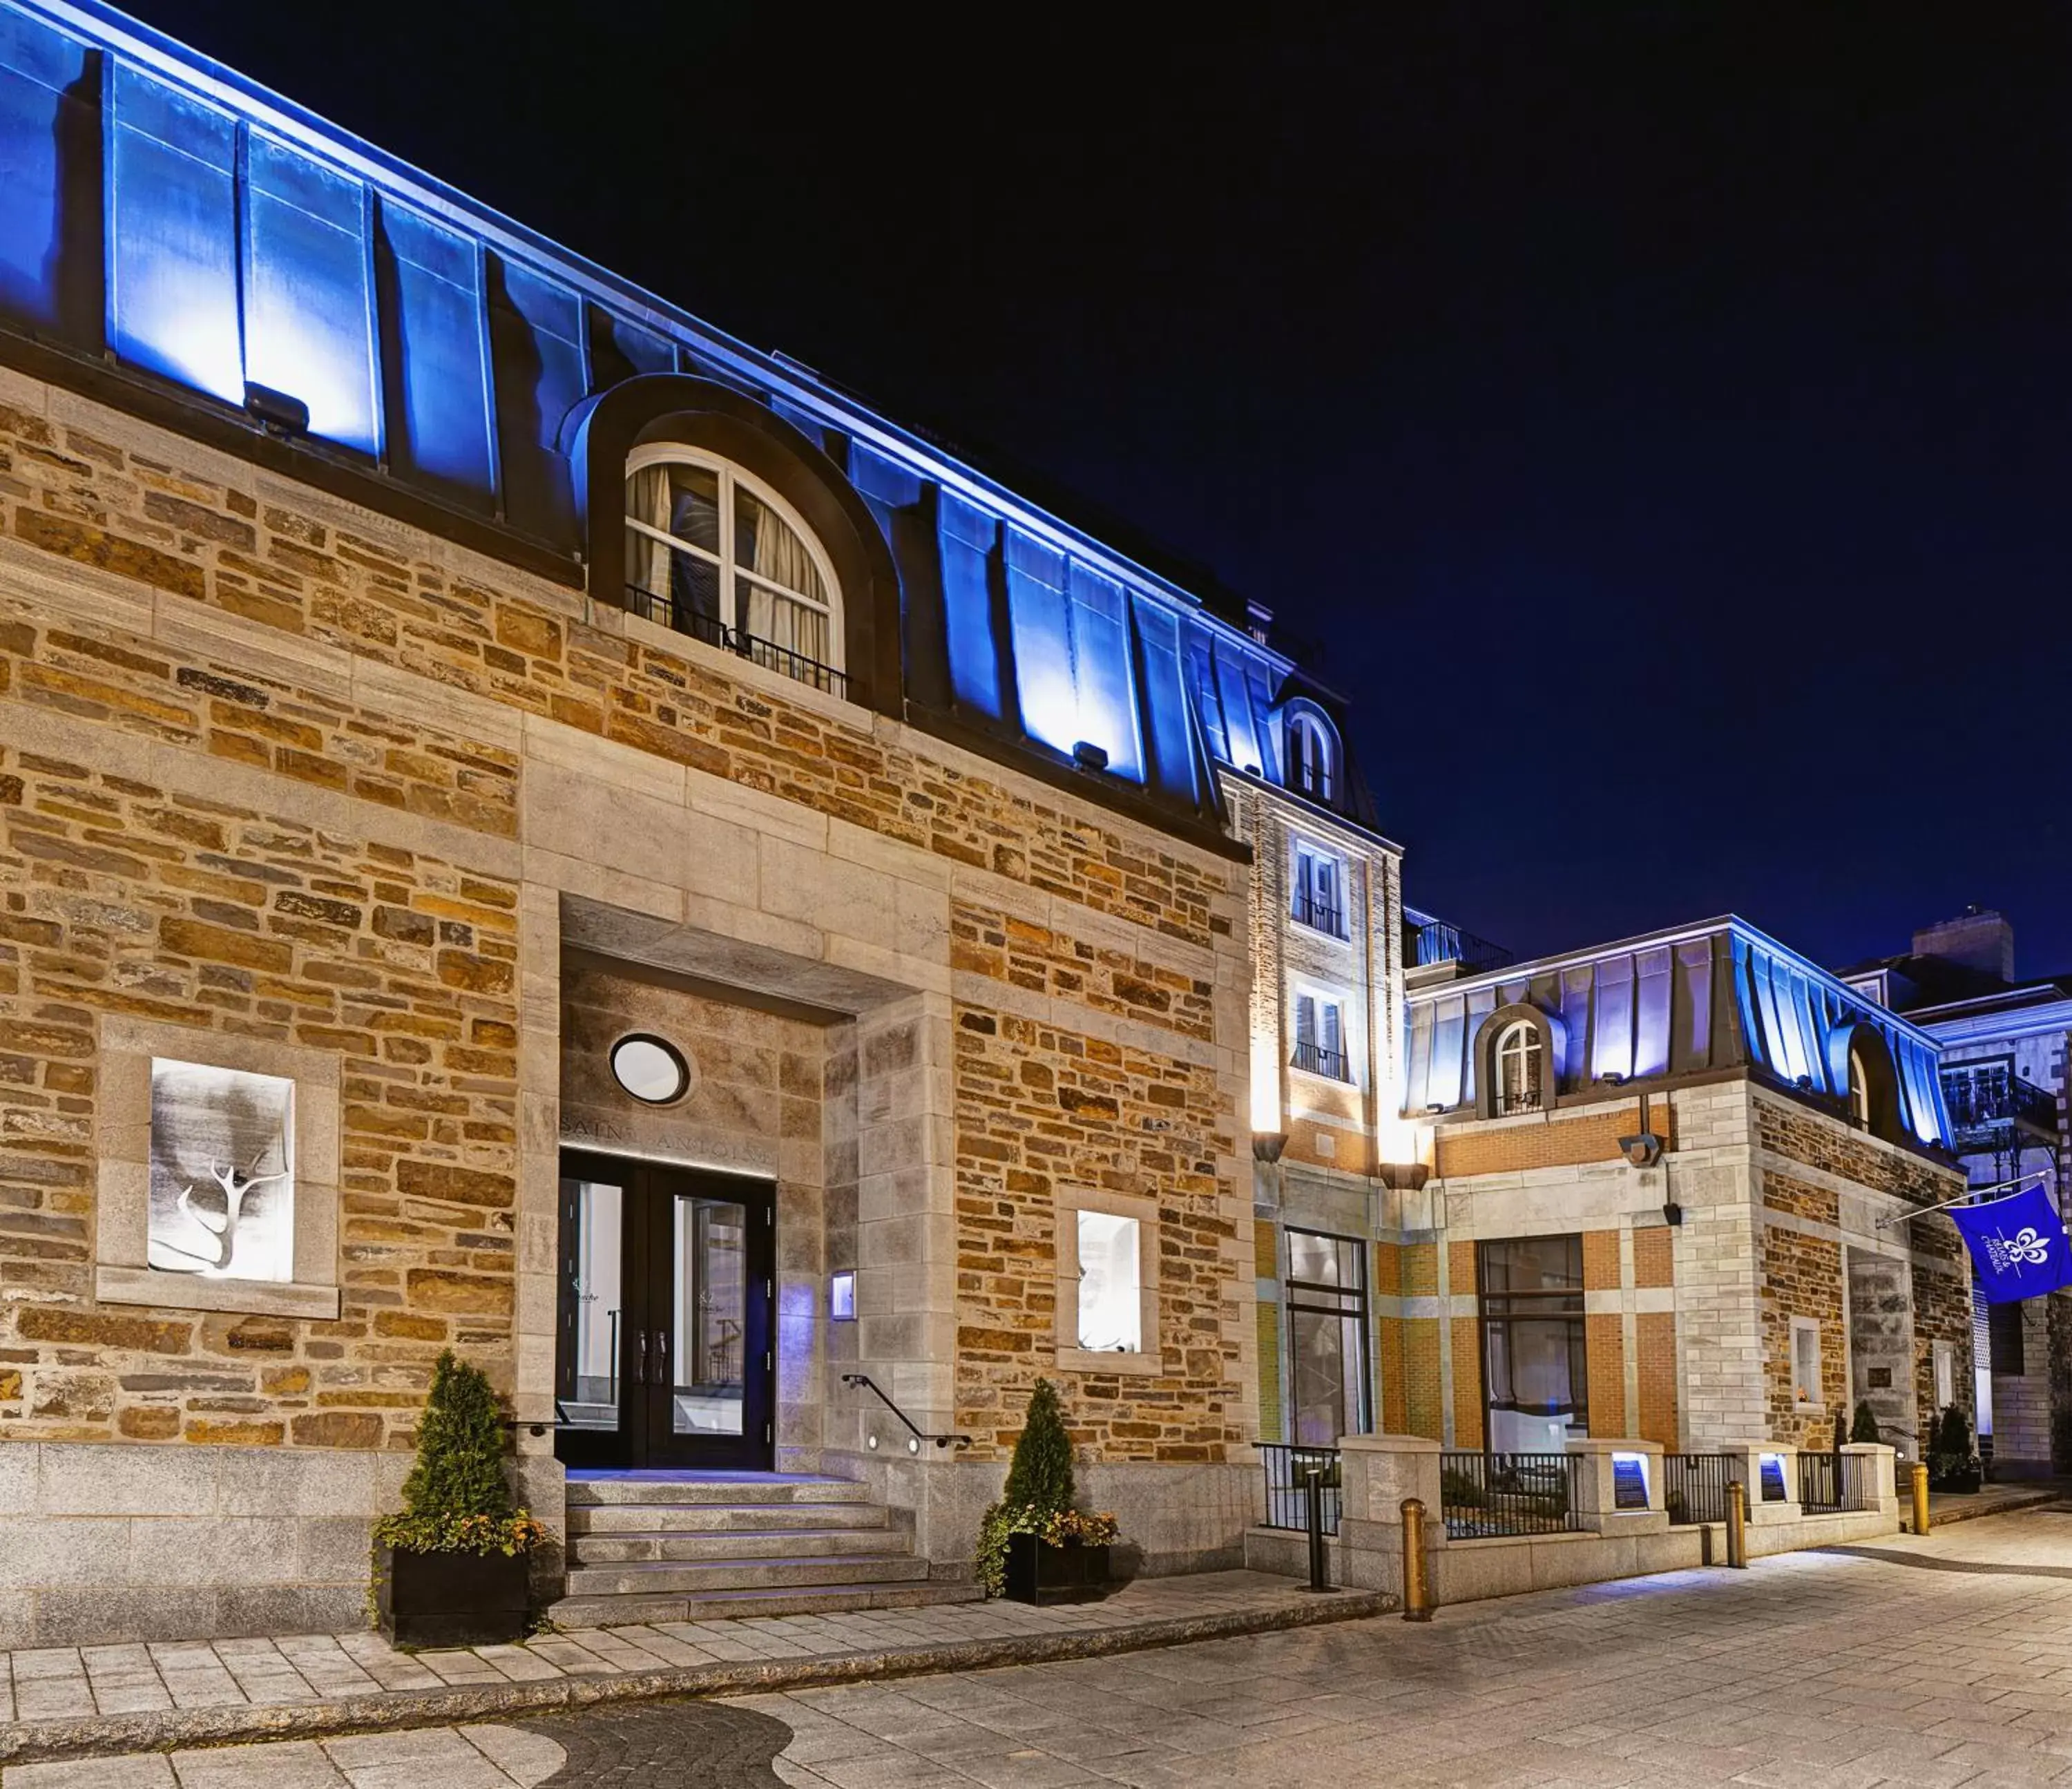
(1039, 1573)
(452, 1599)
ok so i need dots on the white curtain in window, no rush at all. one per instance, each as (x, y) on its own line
(646, 558)
(780, 556)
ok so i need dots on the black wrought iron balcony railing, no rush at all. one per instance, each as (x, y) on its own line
(1438, 942)
(1314, 1059)
(1988, 1099)
(1322, 915)
(666, 612)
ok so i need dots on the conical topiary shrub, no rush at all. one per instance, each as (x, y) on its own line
(459, 1471)
(1864, 1428)
(1040, 1478)
(1036, 1503)
(449, 1569)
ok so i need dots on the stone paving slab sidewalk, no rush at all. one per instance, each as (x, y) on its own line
(1944, 1507)
(65, 1701)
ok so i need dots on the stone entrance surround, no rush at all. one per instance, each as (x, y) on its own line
(275, 769)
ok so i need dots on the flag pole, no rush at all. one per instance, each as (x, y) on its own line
(1968, 1193)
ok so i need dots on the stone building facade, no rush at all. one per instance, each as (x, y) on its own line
(369, 781)
(1648, 1217)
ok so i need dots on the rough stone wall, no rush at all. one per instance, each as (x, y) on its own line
(1787, 1128)
(1043, 1108)
(119, 897)
(1941, 1312)
(170, 606)
(1803, 1277)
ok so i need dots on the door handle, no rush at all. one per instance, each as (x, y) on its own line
(640, 1367)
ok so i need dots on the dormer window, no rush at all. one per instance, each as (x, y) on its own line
(1319, 895)
(1860, 1092)
(1519, 1068)
(1312, 764)
(713, 552)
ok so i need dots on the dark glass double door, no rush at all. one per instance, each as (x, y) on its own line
(665, 1342)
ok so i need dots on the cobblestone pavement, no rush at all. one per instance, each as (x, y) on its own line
(1939, 1664)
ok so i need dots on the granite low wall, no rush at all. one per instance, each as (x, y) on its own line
(104, 1543)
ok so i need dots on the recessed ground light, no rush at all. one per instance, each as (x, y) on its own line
(653, 1071)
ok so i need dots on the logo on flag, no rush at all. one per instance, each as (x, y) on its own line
(2018, 1245)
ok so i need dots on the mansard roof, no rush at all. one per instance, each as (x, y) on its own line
(172, 235)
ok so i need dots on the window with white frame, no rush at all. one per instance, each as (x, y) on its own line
(1805, 1363)
(1860, 1092)
(1319, 1035)
(1944, 1357)
(1319, 893)
(713, 552)
(1520, 1064)
(1312, 756)
(1107, 1282)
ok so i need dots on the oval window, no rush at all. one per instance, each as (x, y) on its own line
(650, 1070)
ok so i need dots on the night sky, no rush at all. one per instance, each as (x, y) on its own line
(1660, 411)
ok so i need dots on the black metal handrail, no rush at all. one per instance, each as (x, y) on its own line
(650, 605)
(1287, 1467)
(1986, 1098)
(1437, 941)
(871, 1386)
(1694, 1486)
(1319, 915)
(1482, 1495)
(1314, 1059)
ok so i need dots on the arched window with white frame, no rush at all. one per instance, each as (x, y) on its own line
(1860, 1092)
(714, 553)
(1312, 759)
(1519, 1063)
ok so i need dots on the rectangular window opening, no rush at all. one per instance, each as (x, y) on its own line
(1110, 1283)
(1536, 1375)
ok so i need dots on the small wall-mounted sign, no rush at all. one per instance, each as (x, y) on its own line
(1629, 1481)
(1773, 1478)
(1881, 1379)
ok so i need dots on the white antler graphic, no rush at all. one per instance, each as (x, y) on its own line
(236, 1186)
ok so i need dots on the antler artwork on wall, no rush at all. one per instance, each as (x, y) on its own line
(237, 1184)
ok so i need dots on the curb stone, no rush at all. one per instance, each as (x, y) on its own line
(87, 1736)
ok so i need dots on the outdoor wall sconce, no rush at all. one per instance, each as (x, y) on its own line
(1089, 756)
(276, 411)
(1643, 1151)
(1672, 1214)
(1266, 1145)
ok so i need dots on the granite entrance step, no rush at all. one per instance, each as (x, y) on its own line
(683, 1546)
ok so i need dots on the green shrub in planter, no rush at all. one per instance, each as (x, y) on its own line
(451, 1568)
(1034, 1545)
(1952, 1466)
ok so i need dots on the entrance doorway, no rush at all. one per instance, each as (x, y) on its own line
(665, 1345)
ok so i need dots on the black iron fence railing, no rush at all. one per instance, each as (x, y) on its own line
(1825, 1481)
(1320, 914)
(1314, 1059)
(1288, 1469)
(1486, 1495)
(664, 610)
(1437, 942)
(1986, 1098)
(1694, 1486)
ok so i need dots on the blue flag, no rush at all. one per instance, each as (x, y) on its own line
(2018, 1246)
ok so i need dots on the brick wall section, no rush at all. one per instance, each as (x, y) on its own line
(1604, 1355)
(1481, 1149)
(1268, 1319)
(1803, 1277)
(1460, 1266)
(1391, 1357)
(1039, 1109)
(1655, 1347)
(116, 898)
(1467, 1359)
(1601, 1261)
(1654, 1256)
(1423, 1405)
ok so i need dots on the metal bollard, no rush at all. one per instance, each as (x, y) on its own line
(1416, 1592)
(1920, 1498)
(1318, 1581)
(1737, 1524)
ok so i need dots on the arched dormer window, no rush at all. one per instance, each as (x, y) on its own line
(1313, 754)
(1520, 1069)
(1860, 1092)
(715, 553)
